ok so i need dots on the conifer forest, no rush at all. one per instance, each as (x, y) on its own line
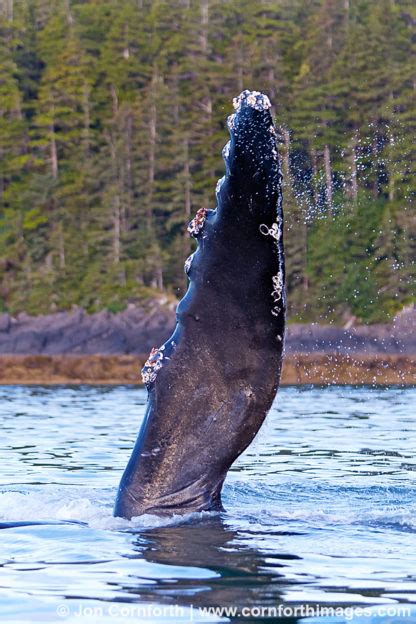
(113, 118)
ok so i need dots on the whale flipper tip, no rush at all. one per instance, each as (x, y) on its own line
(255, 99)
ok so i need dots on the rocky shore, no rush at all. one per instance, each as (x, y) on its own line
(300, 369)
(137, 329)
(74, 347)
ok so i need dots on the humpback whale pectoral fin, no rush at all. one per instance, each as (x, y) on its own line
(215, 387)
(198, 495)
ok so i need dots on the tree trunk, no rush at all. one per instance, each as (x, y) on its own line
(54, 152)
(159, 277)
(129, 168)
(87, 118)
(152, 129)
(271, 80)
(114, 98)
(115, 215)
(353, 190)
(314, 162)
(305, 281)
(9, 10)
(286, 157)
(69, 16)
(374, 154)
(240, 69)
(61, 243)
(187, 194)
(175, 93)
(203, 39)
(391, 166)
(328, 179)
(347, 13)
(116, 229)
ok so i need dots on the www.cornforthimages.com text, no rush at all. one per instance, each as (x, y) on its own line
(199, 614)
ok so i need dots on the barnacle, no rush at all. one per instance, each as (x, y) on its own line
(226, 149)
(152, 365)
(275, 231)
(231, 121)
(255, 99)
(188, 263)
(219, 184)
(277, 292)
(197, 223)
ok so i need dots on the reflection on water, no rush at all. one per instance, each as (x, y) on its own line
(234, 573)
(321, 510)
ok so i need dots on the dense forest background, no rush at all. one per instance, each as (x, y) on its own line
(112, 121)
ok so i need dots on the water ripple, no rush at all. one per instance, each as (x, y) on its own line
(320, 509)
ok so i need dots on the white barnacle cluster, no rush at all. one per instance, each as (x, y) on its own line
(255, 99)
(188, 262)
(226, 150)
(277, 292)
(152, 365)
(219, 184)
(275, 230)
(197, 223)
(231, 121)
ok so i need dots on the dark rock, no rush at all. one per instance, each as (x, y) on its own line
(4, 322)
(28, 341)
(136, 330)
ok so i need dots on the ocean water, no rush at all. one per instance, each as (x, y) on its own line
(320, 520)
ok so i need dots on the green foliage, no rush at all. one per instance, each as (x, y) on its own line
(112, 121)
(342, 263)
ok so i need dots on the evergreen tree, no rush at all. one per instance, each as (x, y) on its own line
(112, 121)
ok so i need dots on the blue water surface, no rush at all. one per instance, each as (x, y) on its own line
(320, 512)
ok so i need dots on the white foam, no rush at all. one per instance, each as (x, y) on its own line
(89, 506)
(94, 507)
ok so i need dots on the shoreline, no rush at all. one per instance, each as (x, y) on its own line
(298, 369)
(136, 330)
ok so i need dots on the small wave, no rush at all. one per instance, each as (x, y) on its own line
(322, 505)
(393, 519)
(91, 507)
(396, 520)
(267, 507)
